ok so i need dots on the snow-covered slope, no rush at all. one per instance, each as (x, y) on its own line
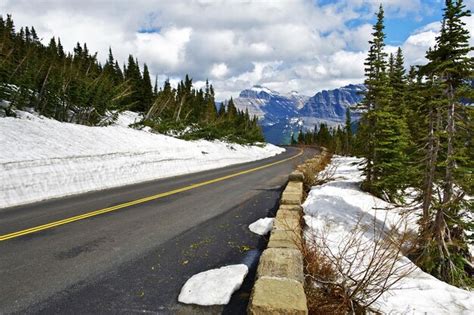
(42, 158)
(339, 205)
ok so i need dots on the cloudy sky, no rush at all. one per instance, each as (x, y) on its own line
(285, 45)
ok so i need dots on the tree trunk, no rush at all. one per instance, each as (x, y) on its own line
(179, 109)
(40, 98)
(433, 147)
(448, 185)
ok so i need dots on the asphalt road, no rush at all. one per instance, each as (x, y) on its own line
(135, 259)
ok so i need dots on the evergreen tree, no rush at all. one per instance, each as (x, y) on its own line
(155, 87)
(348, 134)
(300, 137)
(384, 129)
(398, 84)
(76, 87)
(376, 96)
(147, 90)
(293, 140)
(443, 240)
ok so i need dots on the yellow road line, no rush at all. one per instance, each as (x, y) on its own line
(136, 202)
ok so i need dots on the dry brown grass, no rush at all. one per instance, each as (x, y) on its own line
(321, 300)
(313, 171)
(349, 278)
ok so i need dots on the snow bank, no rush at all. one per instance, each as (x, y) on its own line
(213, 287)
(42, 158)
(262, 226)
(340, 204)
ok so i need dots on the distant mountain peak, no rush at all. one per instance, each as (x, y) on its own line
(261, 88)
(258, 92)
(282, 113)
(355, 87)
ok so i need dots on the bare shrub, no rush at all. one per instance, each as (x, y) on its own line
(313, 171)
(348, 274)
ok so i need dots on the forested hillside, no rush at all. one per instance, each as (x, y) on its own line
(76, 87)
(418, 132)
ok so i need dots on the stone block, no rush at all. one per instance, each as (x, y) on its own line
(287, 224)
(296, 176)
(283, 214)
(281, 263)
(295, 208)
(294, 187)
(284, 239)
(291, 198)
(272, 296)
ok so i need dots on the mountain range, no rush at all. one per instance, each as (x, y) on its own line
(282, 114)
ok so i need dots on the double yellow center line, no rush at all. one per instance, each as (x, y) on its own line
(136, 202)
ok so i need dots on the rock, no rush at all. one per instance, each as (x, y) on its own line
(294, 187)
(284, 214)
(277, 296)
(291, 198)
(281, 263)
(296, 176)
(295, 208)
(288, 221)
(284, 239)
(288, 224)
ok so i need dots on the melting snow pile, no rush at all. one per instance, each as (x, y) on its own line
(337, 206)
(213, 287)
(262, 226)
(42, 158)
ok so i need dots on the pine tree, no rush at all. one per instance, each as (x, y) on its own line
(443, 240)
(348, 133)
(211, 111)
(134, 80)
(147, 90)
(293, 140)
(155, 87)
(383, 127)
(75, 87)
(398, 83)
(300, 137)
(375, 96)
(61, 53)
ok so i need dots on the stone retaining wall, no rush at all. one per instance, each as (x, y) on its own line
(280, 277)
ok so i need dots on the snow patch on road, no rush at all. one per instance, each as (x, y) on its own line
(262, 226)
(338, 205)
(42, 158)
(213, 287)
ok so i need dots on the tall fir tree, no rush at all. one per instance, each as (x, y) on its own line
(348, 140)
(375, 95)
(443, 245)
(383, 127)
(147, 90)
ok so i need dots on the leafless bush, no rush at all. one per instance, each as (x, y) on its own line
(314, 172)
(348, 274)
(325, 175)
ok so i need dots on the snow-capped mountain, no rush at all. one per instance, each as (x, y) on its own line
(282, 114)
(332, 104)
(269, 106)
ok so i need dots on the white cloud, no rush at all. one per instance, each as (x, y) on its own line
(164, 50)
(219, 70)
(285, 44)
